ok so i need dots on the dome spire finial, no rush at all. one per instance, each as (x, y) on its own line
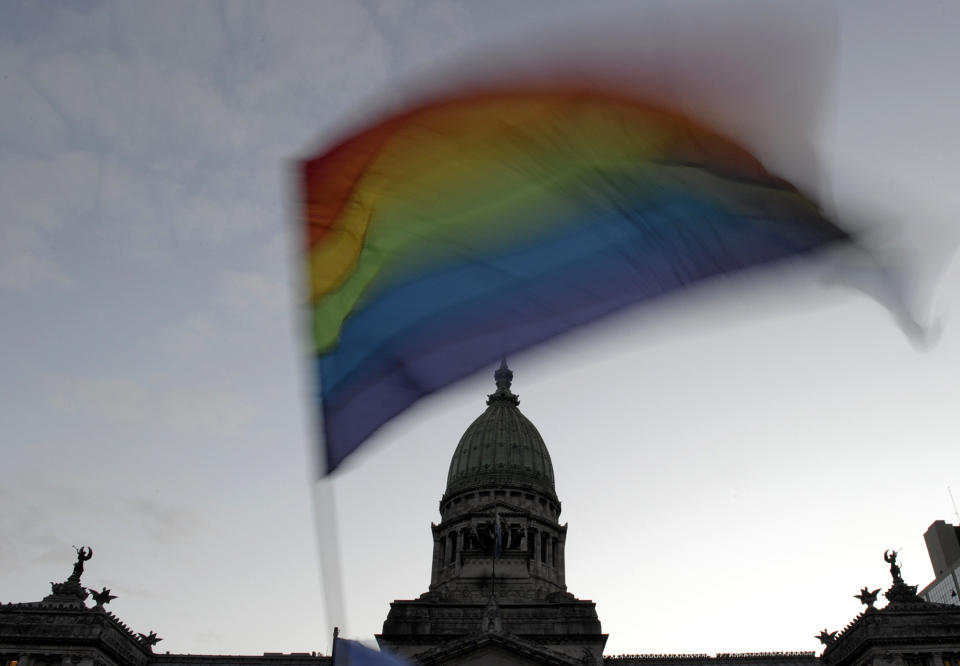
(503, 376)
(504, 379)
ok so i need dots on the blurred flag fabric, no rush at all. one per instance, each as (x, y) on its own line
(351, 653)
(452, 233)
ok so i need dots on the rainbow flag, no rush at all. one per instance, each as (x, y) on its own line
(447, 236)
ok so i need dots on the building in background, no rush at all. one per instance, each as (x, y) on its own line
(497, 592)
(497, 578)
(943, 547)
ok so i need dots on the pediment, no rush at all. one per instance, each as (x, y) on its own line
(493, 648)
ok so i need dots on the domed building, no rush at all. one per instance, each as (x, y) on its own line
(497, 586)
(497, 592)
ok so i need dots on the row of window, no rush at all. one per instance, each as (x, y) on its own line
(485, 494)
(512, 537)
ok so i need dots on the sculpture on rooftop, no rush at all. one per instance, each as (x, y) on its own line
(890, 557)
(71, 590)
(827, 637)
(150, 639)
(899, 592)
(866, 597)
(102, 597)
(84, 553)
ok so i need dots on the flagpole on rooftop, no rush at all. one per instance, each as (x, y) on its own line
(497, 537)
(493, 581)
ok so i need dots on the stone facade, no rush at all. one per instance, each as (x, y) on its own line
(62, 630)
(497, 577)
(908, 631)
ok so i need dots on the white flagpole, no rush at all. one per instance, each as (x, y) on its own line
(328, 549)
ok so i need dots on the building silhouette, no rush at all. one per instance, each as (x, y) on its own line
(497, 592)
(943, 547)
(498, 555)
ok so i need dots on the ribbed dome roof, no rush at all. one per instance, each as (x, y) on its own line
(501, 446)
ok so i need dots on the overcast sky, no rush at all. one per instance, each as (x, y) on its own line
(731, 475)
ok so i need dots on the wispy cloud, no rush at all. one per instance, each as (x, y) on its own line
(158, 143)
(111, 401)
(38, 197)
(256, 294)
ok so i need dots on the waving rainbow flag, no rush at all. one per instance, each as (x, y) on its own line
(447, 236)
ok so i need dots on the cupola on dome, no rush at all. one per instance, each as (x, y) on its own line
(501, 447)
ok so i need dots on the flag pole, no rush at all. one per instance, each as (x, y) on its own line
(493, 582)
(497, 536)
(328, 548)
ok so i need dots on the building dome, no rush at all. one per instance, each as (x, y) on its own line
(501, 447)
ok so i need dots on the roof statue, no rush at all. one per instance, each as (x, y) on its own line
(899, 591)
(102, 597)
(70, 590)
(150, 639)
(84, 553)
(890, 557)
(866, 597)
(826, 637)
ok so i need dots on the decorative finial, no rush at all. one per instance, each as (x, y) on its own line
(866, 597)
(504, 379)
(890, 557)
(503, 376)
(827, 637)
(492, 621)
(150, 639)
(102, 597)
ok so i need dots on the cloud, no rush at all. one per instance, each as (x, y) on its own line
(22, 269)
(31, 124)
(186, 338)
(37, 196)
(109, 402)
(185, 115)
(49, 514)
(252, 293)
(112, 400)
(161, 521)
